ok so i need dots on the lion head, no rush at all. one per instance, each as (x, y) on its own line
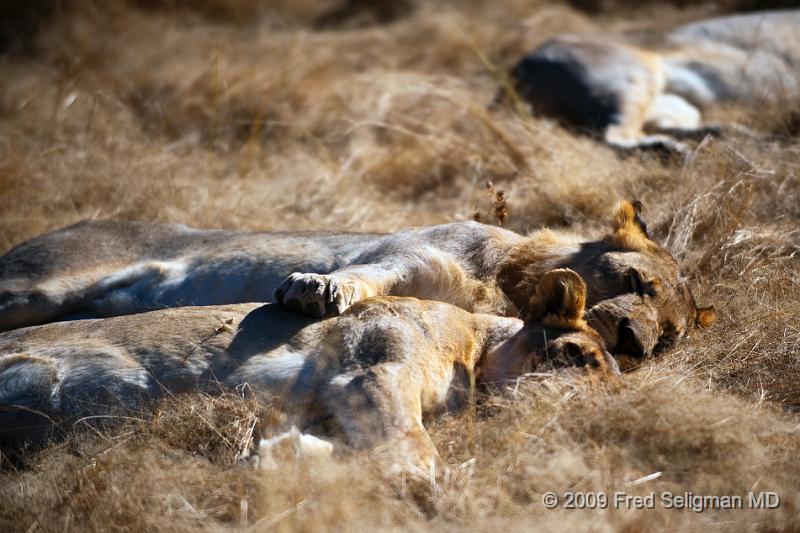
(637, 297)
(554, 335)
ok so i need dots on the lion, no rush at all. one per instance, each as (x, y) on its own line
(108, 268)
(370, 374)
(654, 94)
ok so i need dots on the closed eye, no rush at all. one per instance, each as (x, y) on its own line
(667, 340)
(664, 343)
(574, 353)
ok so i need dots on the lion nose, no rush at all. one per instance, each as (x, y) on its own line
(627, 343)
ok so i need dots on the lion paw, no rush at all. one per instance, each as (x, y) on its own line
(316, 295)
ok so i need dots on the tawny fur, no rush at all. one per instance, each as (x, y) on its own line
(108, 268)
(372, 373)
(651, 90)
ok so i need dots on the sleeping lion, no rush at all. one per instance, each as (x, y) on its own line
(653, 89)
(369, 375)
(102, 268)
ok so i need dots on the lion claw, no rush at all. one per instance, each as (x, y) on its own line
(316, 295)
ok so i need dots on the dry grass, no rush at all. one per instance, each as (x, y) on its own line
(218, 114)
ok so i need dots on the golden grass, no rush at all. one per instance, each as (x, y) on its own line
(218, 115)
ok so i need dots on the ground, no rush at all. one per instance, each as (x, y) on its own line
(373, 116)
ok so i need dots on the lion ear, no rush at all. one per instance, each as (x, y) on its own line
(560, 299)
(628, 215)
(630, 230)
(706, 316)
(641, 283)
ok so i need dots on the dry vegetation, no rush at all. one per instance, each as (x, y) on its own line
(331, 114)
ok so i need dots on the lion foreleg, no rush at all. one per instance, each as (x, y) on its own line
(418, 273)
(381, 410)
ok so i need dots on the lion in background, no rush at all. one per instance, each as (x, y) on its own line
(110, 268)
(651, 90)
